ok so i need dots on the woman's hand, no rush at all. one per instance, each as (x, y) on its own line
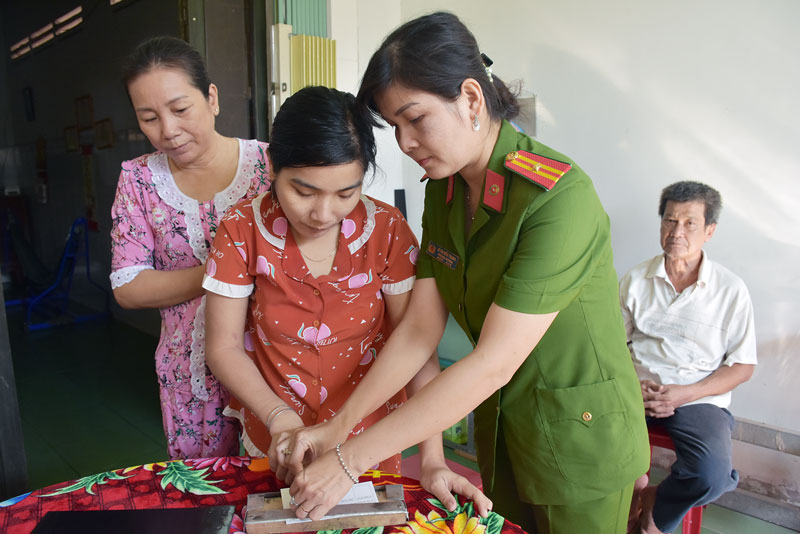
(442, 483)
(282, 424)
(309, 443)
(320, 486)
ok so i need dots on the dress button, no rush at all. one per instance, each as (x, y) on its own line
(314, 382)
(316, 323)
(586, 416)
(316, 291)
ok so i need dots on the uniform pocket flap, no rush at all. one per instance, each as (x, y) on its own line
(586, 404)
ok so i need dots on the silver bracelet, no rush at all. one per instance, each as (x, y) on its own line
(275, 413)
(341, 461)
(275, 409)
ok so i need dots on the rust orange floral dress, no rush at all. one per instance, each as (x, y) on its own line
(313, 339)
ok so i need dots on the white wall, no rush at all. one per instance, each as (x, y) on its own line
(356, 40)
(642, 94)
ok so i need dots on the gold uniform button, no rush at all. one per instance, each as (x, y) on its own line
(494, 190)
(512, 156)
(586, 416)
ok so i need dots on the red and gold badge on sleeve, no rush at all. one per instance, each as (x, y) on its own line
(538, 169)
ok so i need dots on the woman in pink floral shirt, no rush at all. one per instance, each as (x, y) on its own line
(164, 217)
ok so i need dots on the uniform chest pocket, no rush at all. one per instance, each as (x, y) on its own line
(588, 429)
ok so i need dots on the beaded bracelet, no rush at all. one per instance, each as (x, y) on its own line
(341, 461)
(275, 413)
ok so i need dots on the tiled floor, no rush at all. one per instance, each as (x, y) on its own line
(88, 399)
(89, 403)
(719, 520)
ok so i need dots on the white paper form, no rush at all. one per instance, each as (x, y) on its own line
(361, 493)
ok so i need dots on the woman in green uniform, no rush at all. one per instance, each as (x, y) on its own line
(518, 249)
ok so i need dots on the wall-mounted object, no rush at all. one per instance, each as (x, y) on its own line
(20, 48)
(71, 139)
(400, 201)
(69, 20)
(313, 62)
(281, 66)
(103, 134)
(84, 113)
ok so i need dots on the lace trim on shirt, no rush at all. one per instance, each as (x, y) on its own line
(225, 289)
(245, 171)
(168, 190)
(170, 193)
(125, 275)
(369, 225)
(250, 448)
(197, 360)
(398, 288)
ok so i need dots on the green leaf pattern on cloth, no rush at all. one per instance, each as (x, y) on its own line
(88, 483)
(186, 479)
(494, 521)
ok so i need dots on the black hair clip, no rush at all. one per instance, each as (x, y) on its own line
(487, 65)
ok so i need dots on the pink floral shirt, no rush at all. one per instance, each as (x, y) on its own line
(156, 226)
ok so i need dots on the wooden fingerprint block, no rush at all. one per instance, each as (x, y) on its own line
(265, 513)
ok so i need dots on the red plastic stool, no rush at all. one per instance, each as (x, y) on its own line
(693, 519)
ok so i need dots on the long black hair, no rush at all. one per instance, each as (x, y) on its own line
(169, 52)
(319, 126)
(435, 53)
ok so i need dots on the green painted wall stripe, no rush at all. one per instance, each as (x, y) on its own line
(307, 17)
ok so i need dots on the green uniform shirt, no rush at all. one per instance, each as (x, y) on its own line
(572, 415)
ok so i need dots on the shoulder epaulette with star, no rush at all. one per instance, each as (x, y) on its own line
(538, 169)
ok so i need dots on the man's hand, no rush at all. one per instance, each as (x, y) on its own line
(661, 400)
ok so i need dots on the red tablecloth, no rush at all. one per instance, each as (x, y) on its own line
(222, 481)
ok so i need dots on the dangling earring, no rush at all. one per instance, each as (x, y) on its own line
(476, 125)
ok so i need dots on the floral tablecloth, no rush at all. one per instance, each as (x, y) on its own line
(224, 481)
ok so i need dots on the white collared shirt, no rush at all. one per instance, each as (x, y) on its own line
(681, 338)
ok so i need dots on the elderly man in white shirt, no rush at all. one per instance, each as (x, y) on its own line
(692, 338)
